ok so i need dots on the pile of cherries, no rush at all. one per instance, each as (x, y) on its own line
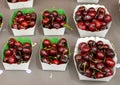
(54, 53)
(24, 21)
(53, 19)
(95, 59)
(14, 1)
(92, 19)
(0, 20)
(17, 52)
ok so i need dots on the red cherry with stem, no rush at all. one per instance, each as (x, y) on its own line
(92, 26)
(58, 19)
(27, 16)
(27, 51)
(109, 62)
(100, 55)
(107, 18)
(21, 19)
(62, 23)
(100, 65)
(81, 26)
(32, 23)
(45, 21)
(55, 62)
(91, 43)
(15, 26)
(101, 10)
(45, 60)
(54, 46)
(55, 13)
(87, 17)
(25, 24)
(46, 14)
(88, 72)
(78, 58)
(85, 49)
(46, 43)
(64, 59)
(44, 53)
(99, 75)
(107, 71)
(100, 17)
(99, 43)
(53, 52)
(26, 57)
(19, 13)
(11, 42)
(81, 45)
(56, 25)
(8, 53)
(98, 24)
(92, 65)
(110, 53)
(86, 56)
(12, 59)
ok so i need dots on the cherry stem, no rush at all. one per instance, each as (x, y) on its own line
(68, 26)
(84, 66)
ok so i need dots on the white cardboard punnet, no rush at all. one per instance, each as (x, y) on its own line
(61, 67)
(84, 33)
(54, 31)
(82, 77)
(22, 66)
(88, 1)
(22, 32)
(18, 5)
(54, 67)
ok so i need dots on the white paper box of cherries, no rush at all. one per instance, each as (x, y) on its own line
(95, 59)
(92, 20)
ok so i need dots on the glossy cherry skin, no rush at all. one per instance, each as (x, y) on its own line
(100, 55)
(44, 53)
(78, 58)
(12, 59)
(107, 18)
(46, 14)
(110, 62)
(8, 53)
(81, 26)
(110, 53)
(99, 75)
(46, 43)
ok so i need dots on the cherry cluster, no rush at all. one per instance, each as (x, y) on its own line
(54, 53)
(24, 21)
(92, 19)
(95, 59)
(17, 52)
(53, 19)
